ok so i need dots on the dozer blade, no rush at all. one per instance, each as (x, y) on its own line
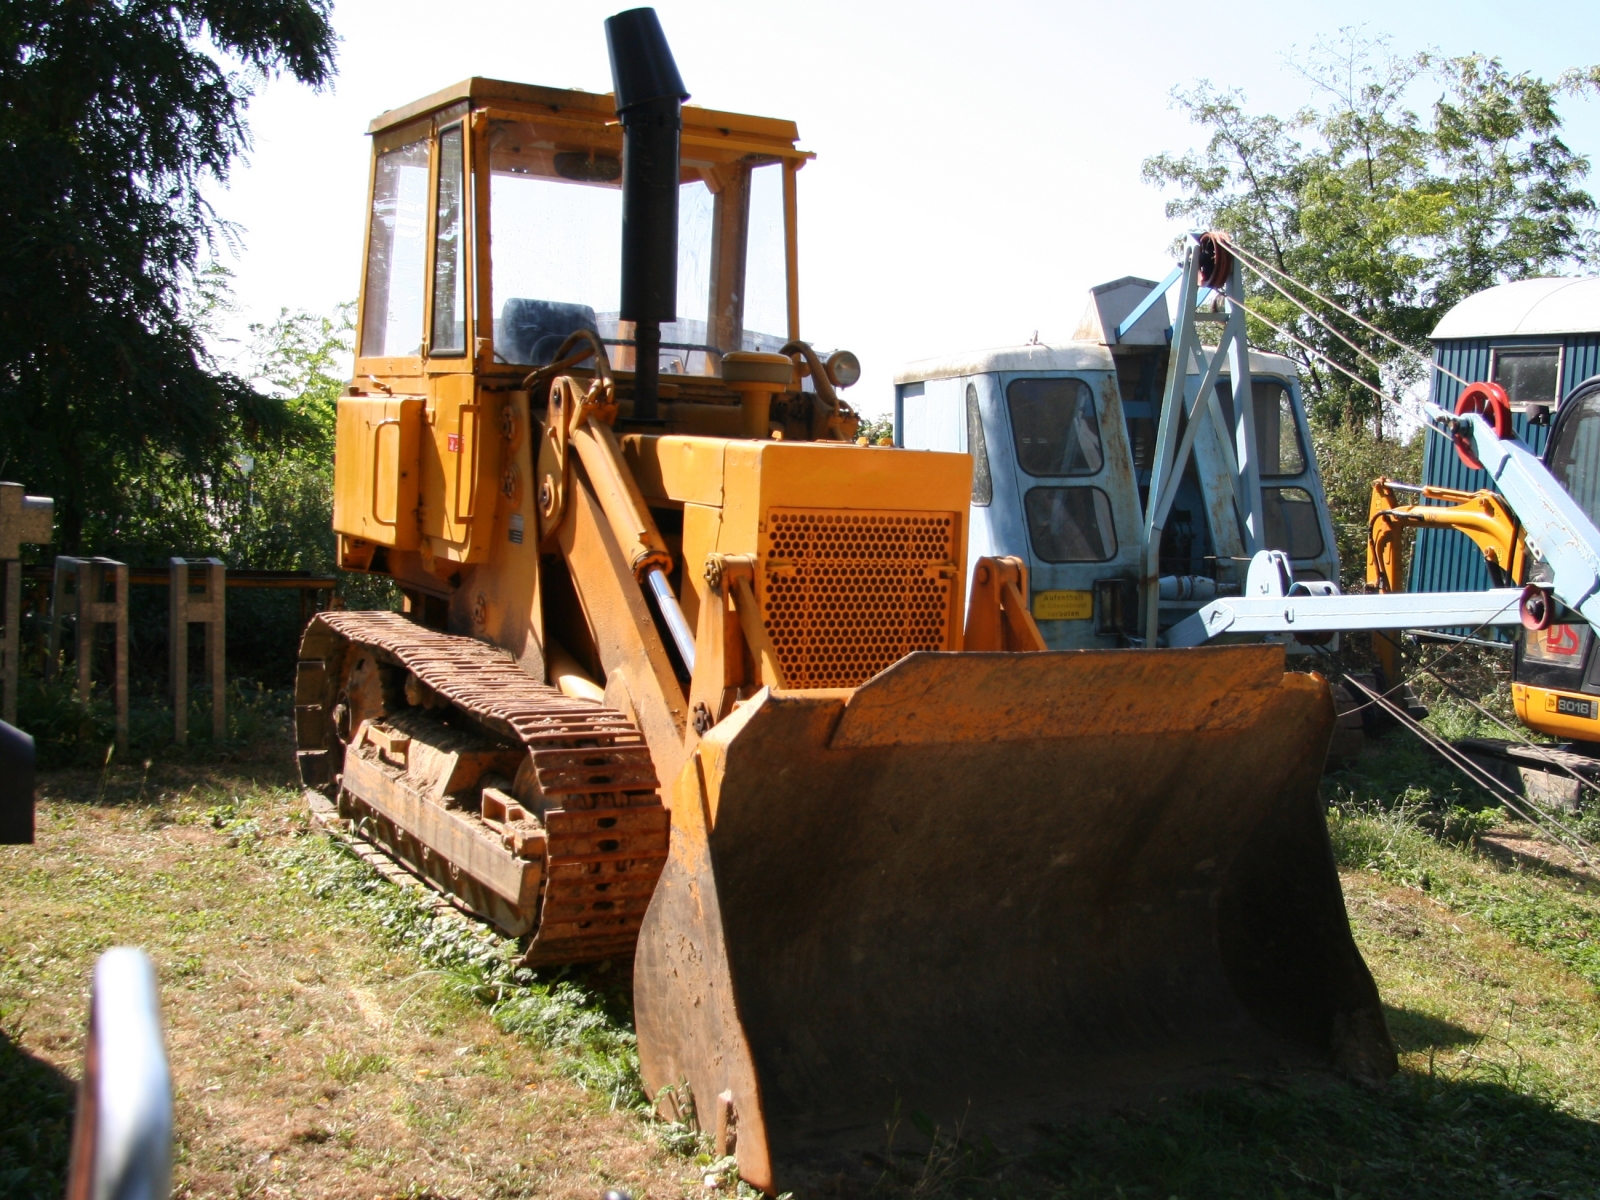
(994, 889)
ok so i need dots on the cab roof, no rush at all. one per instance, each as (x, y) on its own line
(707, 126)
(1068, 356)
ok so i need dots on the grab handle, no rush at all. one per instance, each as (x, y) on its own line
(377, 467)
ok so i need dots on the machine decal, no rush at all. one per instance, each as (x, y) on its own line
(1063, 606)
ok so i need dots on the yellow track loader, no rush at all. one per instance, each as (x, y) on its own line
(686, 672)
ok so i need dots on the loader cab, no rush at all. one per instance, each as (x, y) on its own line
(493, 232)
(1062, 439)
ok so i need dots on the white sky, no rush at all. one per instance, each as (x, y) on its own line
(978, 165)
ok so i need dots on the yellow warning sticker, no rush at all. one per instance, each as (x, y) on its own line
(1063, 606)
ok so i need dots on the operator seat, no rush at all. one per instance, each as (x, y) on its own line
(531, 331)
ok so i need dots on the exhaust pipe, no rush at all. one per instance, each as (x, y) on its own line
(650, 94)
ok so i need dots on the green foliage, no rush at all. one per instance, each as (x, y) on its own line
(1349, 459)
(114, 117)
(874, 429)
(1395, 214)
(583, 1017)
(67, 734)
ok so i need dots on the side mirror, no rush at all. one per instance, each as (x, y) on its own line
(122, 1136)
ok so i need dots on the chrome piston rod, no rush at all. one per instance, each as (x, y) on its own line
(682, 635)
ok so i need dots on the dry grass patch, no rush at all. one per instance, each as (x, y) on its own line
(312, 1056)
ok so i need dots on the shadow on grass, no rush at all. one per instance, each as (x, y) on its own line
(36, 1104)
(1414, 1032)
(1503, 849)
(1418, 1138)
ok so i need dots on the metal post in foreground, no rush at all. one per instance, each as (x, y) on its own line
(122, 1135)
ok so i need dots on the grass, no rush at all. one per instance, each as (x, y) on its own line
(335, 1035)
(330, 1034)
(66, 734)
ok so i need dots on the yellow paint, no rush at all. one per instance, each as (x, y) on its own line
(1063, 606)
(1539, 709)
(375, 473)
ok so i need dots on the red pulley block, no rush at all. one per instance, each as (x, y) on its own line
(1487, 400)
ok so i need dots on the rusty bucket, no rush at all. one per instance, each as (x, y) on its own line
(994, 889)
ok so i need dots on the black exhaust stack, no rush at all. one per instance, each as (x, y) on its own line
(650, 94)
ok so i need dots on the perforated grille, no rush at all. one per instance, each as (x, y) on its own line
(847, 593)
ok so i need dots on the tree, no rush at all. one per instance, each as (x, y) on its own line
(1394, 215)
(114, 114)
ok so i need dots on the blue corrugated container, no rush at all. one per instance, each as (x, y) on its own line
(1537, 338)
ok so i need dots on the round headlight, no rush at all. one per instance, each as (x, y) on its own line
(843, 368)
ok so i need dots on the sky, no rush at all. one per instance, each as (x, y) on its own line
(978, 165)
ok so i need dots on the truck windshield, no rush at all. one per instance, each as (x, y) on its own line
(1574, 454)
(555, 218)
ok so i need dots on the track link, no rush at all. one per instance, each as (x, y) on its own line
(601, 830)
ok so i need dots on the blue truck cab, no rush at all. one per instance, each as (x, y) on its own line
(1062, 438)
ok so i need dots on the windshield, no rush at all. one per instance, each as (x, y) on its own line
(1574, 454)
(555, 218)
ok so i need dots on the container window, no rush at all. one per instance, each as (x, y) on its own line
(1054, 423)
(1530, 375)
(1291, 520)
(397, 254)
(982, 484)
(449, 266)
(1070, 524)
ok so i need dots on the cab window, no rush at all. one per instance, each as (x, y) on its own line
(449, 264)
(978, 447)
(1575, 455)
(1277, 434)
(555, 251)
(1291, 522)
(1070, 524)
(397, 254)
(1055, 427)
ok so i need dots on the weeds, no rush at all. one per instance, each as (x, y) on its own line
(588, 1030)
(69, 734)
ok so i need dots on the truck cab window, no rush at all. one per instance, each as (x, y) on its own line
(1574, 454)
(1291, 522)
(397, 257)
(1277, 434)
(982, 484)
(1070, 524)
(1054, 423)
